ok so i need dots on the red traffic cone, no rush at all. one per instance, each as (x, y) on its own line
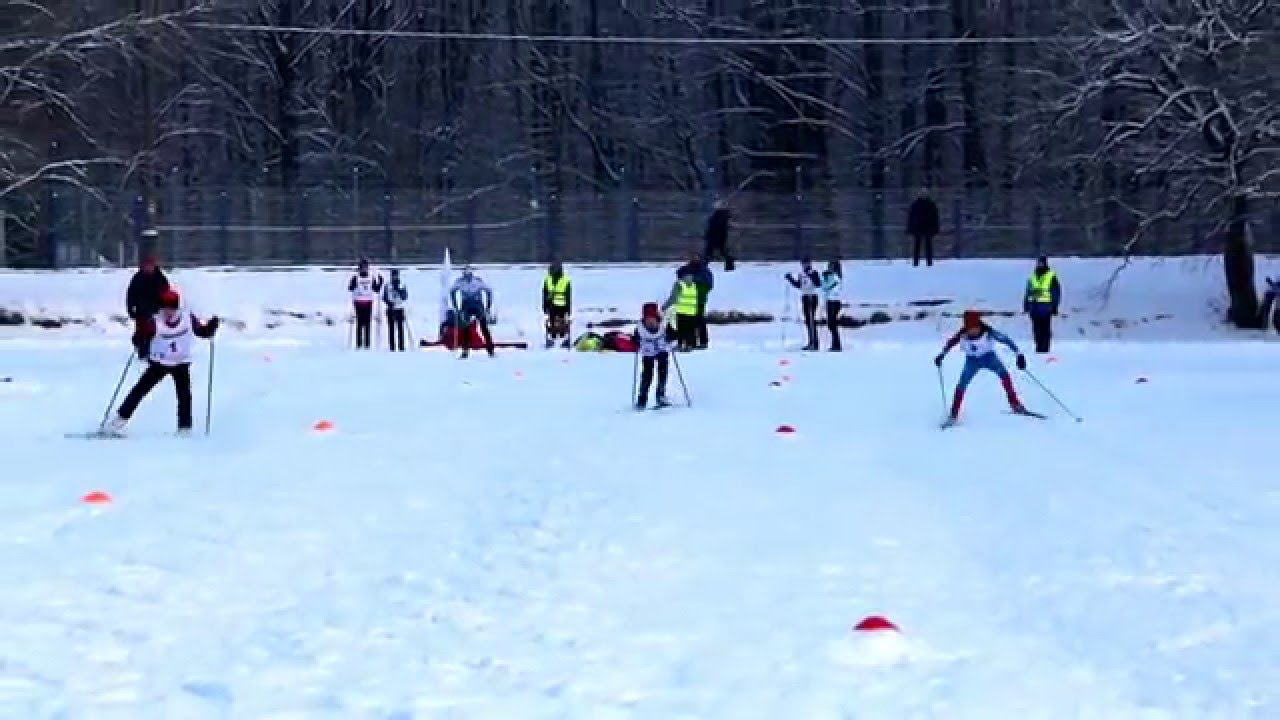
(875, 623)
(785, 430)
(323, 426)
(97, 497)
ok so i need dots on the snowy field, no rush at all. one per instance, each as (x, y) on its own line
(506, 539)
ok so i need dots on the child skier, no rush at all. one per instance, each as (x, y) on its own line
(653, 341)
(472, 301)
(364, 286)
(170, 335)
(978, 341)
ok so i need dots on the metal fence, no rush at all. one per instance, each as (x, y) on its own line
(265, 226)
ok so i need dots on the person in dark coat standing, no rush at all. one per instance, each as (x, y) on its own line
(923, 223)
(717, 236)
(142, 300)
(698, 268)
(394, 297)
(1044, 294)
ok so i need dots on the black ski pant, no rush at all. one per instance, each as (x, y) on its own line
(701, 339)
(364, 324)
(925, 242)
(395, 328)
(646, 375)
(833, 322)
(464, 335)
(809, 304)
(151, 377)
(686, 331)
(557, 322)
(1042, 330)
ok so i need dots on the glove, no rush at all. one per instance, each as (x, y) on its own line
(938, 360)
(214, 324)
(1022, 361)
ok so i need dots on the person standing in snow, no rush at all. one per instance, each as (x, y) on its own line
(394, 297)
(557, 304)
(472, 301)
(365, 285)
(653, 342)
(808, 283)
(923, 223)
(1043, 295)
(978, 341)
(169, 335)
(142, 300)
(832, 280)
(698, 268)
(684, 298)
(716, 237)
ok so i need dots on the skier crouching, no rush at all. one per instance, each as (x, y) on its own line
(169, 335)
(978, 341)
(653, 340)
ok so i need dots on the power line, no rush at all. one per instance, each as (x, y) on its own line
(624, 40)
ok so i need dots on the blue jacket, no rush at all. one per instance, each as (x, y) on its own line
(702, 276)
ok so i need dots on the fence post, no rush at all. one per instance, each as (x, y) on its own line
(471, 226)
(304, 219)
(138, 214)
(957, 217)
(1037, 229)
(387, 236)
(553, 228)
(51, 229)
(633, 230)
(877, 225)
(224, 233)
(797, 250)
(4, 223)
(356, 245)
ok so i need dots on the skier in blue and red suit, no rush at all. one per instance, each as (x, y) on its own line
(978, 340)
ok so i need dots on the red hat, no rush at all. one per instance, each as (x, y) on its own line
(649, 310)
(972, 319)
(170, 299)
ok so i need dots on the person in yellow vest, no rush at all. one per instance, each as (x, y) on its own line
(557, 304)
(1044, 294)
(684, 299)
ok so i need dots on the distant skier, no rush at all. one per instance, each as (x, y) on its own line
(170, 335)
(653, 342)
(1043, 295)
(1270, 313)
(557, 304)
(365, 285)
(978, 341)
(832, 280)
(808, 283)
(472, 302)
(394, 297)
(142, 300)
(684, 299)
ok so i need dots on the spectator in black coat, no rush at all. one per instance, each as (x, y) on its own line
(717, 236)
(142, 300)
(923, 223)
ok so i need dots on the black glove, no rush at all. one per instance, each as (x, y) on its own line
(214, 323)
(1022, 361)
(938, 360)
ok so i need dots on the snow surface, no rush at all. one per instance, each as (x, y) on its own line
(506, 539)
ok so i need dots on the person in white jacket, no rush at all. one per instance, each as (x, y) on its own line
(832, 282)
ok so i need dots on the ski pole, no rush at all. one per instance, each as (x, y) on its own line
(635, 369)
(942, 390)
(106, 413)
(208, 400)
(680, 375)
(1049, 392)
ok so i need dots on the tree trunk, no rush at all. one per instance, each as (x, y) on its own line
(1237, 261)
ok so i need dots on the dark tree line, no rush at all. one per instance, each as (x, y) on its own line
(1138, 116)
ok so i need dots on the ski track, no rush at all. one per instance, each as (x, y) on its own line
(467, 543)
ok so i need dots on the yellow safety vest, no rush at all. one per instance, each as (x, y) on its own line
(1040, 288)
(687, 300)
(558, 290)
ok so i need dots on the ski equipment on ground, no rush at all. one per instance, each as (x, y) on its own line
(1049, 392)
(125, 373)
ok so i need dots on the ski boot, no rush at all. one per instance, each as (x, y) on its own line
(662, 401)
(115, 427)
(183, 433)
(642, 402)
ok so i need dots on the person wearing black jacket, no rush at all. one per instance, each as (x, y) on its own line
(698, 269)
(923, 223)
(142, 300)
(394, 297)
(717, 236)
(808, 283)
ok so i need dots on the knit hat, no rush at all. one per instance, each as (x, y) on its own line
(649, 310)
(972, 319)
(170, 299)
